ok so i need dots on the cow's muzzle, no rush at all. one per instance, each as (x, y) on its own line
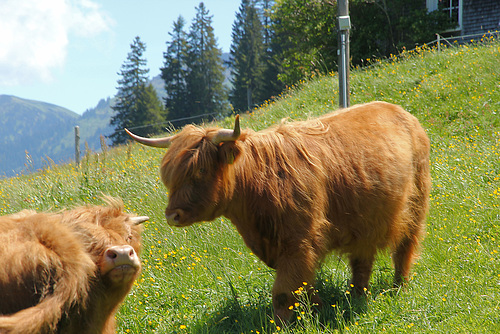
(120, 263)
(174, 217)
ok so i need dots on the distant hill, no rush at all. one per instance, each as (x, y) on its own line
(34, 133)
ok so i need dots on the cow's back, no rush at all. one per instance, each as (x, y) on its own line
(36, 252)
(379, 168)
(352, 172)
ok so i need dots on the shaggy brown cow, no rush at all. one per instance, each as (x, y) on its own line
(67, 272)
(356, 181)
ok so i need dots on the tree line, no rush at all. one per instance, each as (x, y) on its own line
(275, 43)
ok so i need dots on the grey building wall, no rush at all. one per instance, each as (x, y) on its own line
(480, 16)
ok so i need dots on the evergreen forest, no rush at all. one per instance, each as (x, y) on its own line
(275, 44)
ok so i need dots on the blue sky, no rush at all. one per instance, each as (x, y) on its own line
(68, 52)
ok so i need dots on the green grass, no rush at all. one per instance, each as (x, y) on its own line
(203, 279)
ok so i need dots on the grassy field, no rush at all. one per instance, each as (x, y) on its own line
(203, 279)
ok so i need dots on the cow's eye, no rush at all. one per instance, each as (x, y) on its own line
(202, 171)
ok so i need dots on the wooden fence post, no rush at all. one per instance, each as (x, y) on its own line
(77, 146)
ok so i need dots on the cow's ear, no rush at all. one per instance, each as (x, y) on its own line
(228, 152)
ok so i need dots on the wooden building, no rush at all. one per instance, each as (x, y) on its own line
(473, 17)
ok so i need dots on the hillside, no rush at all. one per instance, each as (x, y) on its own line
(26, 126)
(203, 279)
(34, 134)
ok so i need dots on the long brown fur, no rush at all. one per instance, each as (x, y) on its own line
(356, 181)
(50, 280)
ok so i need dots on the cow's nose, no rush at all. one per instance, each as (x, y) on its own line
(121, 255)
(174, 217)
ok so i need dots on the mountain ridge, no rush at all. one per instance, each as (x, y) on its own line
(34, 133)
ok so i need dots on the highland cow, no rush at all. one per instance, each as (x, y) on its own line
(67, 272)
(356, 181)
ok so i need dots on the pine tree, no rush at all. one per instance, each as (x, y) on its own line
(153, 111)
(272, 86)
(137, 103)
(205, 78)
(247, 57)
(174, 72)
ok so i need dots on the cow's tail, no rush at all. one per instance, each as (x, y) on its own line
(70, 297)
(42, 318)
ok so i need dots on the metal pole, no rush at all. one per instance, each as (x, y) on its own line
(344, 24)
(249, 98)
(77, 145)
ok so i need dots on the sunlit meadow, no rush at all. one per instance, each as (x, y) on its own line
(203, 279)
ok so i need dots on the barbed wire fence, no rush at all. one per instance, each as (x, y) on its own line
(460, 40)
(170, 122)
(169, 127)
(440, 41)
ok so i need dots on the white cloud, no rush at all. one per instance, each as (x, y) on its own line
(34, 35)
(86, 18)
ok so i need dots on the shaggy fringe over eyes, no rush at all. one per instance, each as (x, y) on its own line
(191, 149)
(105, 221)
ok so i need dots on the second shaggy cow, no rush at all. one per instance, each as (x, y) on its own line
(356, 181)
(67, 272)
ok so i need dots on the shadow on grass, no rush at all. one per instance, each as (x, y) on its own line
(255, 315)
(237, 316)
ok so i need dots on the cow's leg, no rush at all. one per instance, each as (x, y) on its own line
(361, 267)
(405, 253)
(291, 274)
(406, 250)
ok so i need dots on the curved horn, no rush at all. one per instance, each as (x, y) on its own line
(154, 142)
(139, 220)
(228, 135)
